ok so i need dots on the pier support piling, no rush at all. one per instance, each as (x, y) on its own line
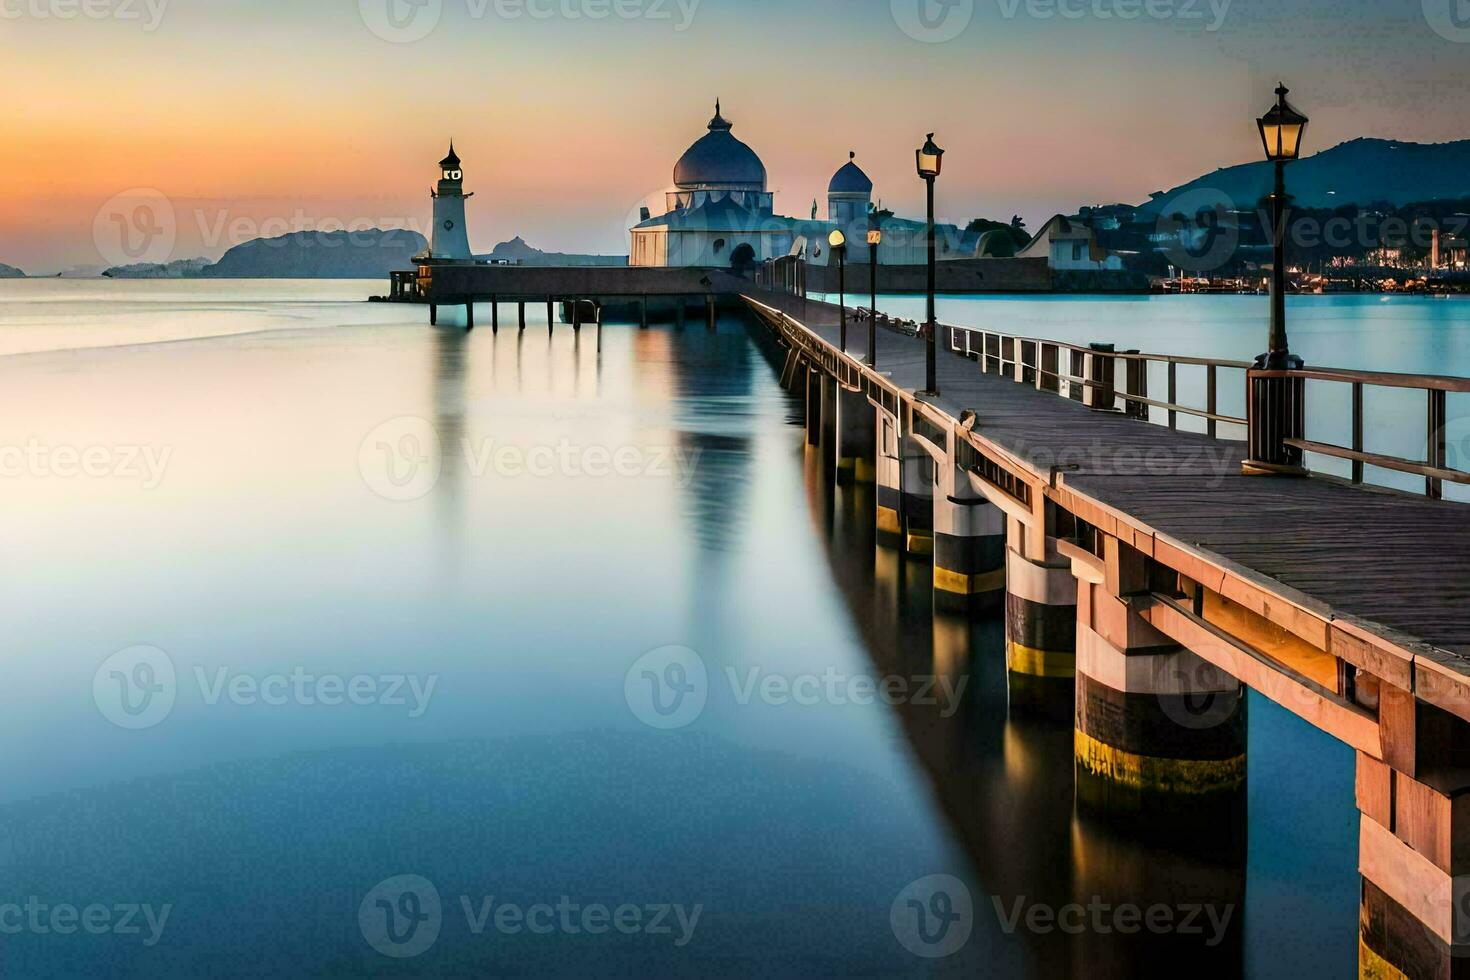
(494, 314)
(521, 313)
(969, 539)
(917, 484)
(469, 314)
(889, 477)
(1153, 720)
(1041, 611)
(813, 407)
(1414, 843)
(433, 314)
(855, 437)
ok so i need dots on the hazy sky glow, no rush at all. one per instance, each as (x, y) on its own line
(256, 116)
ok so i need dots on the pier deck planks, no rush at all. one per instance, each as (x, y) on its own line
(1399, 561)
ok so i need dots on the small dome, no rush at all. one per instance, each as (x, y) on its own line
(721, 159)
(850, 179)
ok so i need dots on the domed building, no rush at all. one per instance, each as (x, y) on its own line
(719, 167)
(720, 214)
(849, 195)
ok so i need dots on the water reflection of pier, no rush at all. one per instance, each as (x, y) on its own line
(1001, 770)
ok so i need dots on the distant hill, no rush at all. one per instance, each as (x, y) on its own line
(1362, 172)
(10, 272)
(516, 250)
(369, 254)
(178, 269)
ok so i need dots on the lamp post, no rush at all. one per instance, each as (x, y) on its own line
(838, 241)
(930, 161)
(1282, 129)
(875, 238)
(1278, 399)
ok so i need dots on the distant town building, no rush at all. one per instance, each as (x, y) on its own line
(1070, 246)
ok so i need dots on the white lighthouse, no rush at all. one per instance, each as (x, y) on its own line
(451, 238)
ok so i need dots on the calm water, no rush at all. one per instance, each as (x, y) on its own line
(1405, 334)
(266, 533)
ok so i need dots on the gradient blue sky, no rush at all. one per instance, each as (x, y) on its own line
(254, 114)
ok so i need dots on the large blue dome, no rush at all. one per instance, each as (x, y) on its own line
(850, 179)
(721, 160)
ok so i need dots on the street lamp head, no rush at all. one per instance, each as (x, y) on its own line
(930, 159)
(837, 240)
(875, 237)
(1282, 130)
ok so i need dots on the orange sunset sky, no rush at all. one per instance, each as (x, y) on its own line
(258, 114)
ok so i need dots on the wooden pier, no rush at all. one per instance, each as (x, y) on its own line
(1144, 568)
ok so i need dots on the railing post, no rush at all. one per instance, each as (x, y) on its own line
(1173, 394)
(1358, 430)
(1137, 385)
(1100, 393)
(1278, 411)
(1211, 401)
(1433, 485)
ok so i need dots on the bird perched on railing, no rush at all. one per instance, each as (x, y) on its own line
(968, 420)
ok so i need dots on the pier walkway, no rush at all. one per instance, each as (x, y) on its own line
(1140, 563)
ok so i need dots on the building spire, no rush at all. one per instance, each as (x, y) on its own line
(719, 122)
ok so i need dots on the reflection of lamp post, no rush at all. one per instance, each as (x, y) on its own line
(1278, 410)
(930, 160)
(875, 238)
(1282, 130)
(838, 241)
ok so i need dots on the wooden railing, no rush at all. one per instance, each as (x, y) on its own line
(1090, 374)
(1437, 388)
